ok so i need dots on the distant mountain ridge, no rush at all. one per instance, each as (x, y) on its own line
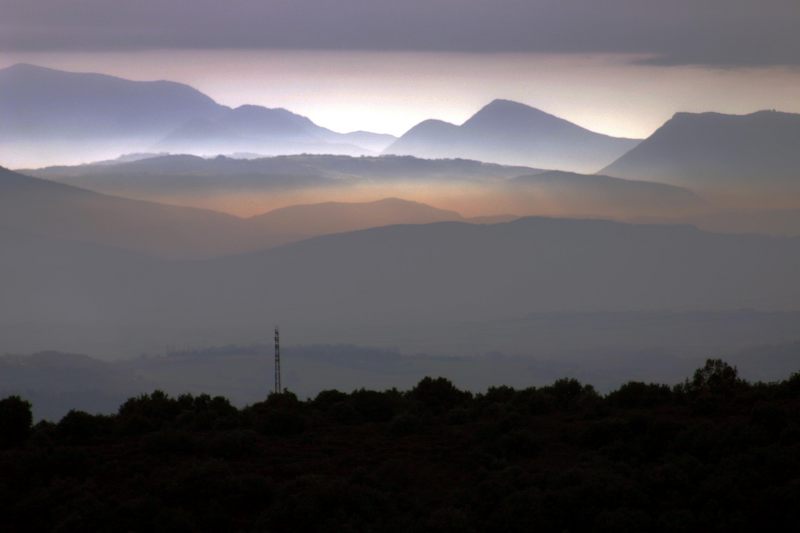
(512, 133)
(77, 116)
(387, 277)
(758, 152)
(184, 173)
(191, 180)
(337, 217)
(40, 103)
(46, 209)
(605, 195)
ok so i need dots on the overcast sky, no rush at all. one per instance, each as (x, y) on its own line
(620, 67)
(714, 32)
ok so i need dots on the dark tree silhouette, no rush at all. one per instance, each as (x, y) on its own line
(715, 453)
(15, 420)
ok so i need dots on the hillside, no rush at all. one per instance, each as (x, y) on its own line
(66, 117)
(260, 184)
(512, 133)
(187, 174)
(570, 193)
(39, 207)
(398, 276)
(751, 154)
(338, 217)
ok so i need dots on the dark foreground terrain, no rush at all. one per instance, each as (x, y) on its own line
(714, 453)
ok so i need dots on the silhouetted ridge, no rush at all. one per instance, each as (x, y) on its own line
(70, 116)
(757, 153)
(505, 114)
(432, 126)
(509, 132)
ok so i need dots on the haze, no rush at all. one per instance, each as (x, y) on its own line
(502, 192)
(391, 91)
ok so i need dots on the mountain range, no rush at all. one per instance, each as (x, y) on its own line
(512, 133)
(69, 117)
(558, 192)
(92, 297)
(184, 174)
(750, 155)
(52, 210)
(194, 181)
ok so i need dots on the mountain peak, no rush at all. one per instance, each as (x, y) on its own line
(512, 133)
(503, 104)
(21, 67)
(431, 125)
(713, 151)
(26, 71)
(509, 109)
(516, 118)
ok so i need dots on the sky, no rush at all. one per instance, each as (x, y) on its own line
(620, 67)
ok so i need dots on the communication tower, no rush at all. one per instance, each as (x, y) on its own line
(278, 388)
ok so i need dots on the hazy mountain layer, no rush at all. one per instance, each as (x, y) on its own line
(565, 192)
(754, 155)
(50, 209)
(187, 174)
(40, 207)
(478, 188)
(512, 133)
(336, 217)
(69, 117)
(783, 222)
(393, 277)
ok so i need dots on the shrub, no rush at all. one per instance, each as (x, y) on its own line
(81, 426)
(716, 377)
(637, 394)
(15, 420)
(438, 395)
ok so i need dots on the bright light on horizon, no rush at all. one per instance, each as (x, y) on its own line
(389, 92)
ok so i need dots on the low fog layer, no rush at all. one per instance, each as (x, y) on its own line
(39, 207)
(64, 292)
(519, 271)
(252, 186)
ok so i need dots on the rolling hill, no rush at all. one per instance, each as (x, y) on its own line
(337, 217)
(396, 277)
(40, 207)
(568, 192)
(187, 174)
(492, 188)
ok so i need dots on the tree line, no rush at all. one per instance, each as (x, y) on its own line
(712, 453)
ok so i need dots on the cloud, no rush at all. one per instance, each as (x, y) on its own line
(669, 32)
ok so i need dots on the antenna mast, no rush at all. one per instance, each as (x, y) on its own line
(278, 389)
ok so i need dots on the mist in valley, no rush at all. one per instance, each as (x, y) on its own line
(488, 252)
(430, 265)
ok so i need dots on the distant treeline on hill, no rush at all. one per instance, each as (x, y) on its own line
(714, 453)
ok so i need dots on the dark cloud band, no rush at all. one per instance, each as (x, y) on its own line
(712, 32)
